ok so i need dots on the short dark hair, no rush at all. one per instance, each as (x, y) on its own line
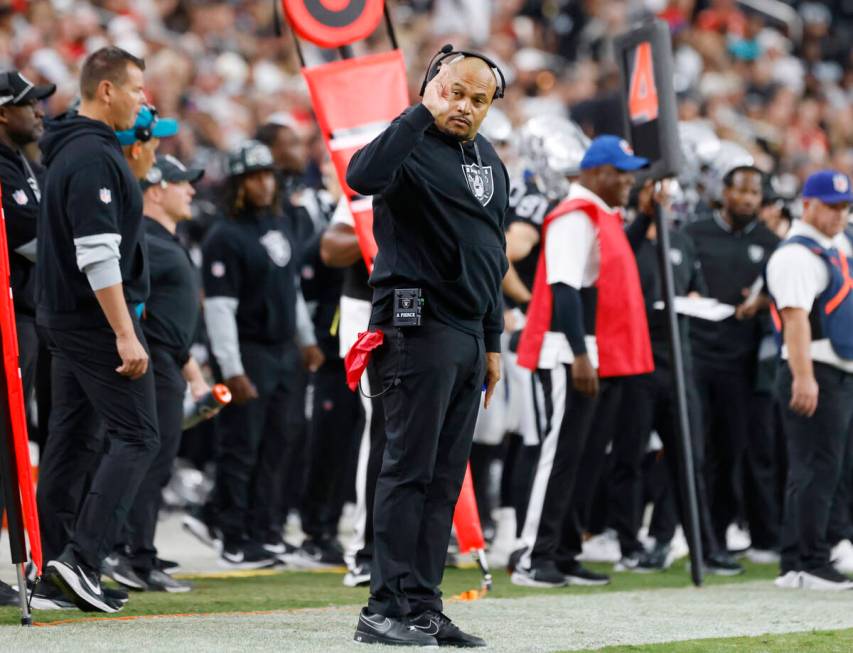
(729, 178)
(268, 132)
(109, 64)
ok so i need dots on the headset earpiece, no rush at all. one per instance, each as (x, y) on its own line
(448, 51)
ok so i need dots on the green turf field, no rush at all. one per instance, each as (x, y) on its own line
(819, 641)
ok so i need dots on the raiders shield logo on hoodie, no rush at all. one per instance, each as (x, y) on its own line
(480, 182)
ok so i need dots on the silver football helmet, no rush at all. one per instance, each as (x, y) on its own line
(552, 147)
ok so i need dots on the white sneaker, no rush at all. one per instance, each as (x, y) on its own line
(678, 548)
(737, 539)
(762, 556)
(790, 581)
(603, 547)
(842, 556)
(827, 580)
(505, 541)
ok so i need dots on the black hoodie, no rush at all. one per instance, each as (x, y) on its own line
(90, 194)
(438, 222)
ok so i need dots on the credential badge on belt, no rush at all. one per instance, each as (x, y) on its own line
(408, 305)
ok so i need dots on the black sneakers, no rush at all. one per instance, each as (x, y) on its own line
(542, 574)
(358, 576)
(319, 554)
(378, 629)
(826, 579)
(117, 567)
(158, 580)
(722, 564)
(245, 554)
(169, 566)
(47, 596)
(577, 574)
(81, 584)
(444, 630)
(654, 560)
(282, 550)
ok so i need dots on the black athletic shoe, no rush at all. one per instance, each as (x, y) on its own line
(358, 576)
(577, 574)
(117, 567)
(116, 594)
(444, 630)
(541, 574)
(826, 578)
(47, 596)
(654, 560)
(169, 566)
(245, 555)
(377, 629)
(8, 596)
(81, 584)
(722, 564)
(195, 523)
(282, 550)
(319, 554)
(158, 580)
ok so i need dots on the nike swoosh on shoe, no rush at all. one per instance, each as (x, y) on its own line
(383, 627)
(97, 591)
(431, 629)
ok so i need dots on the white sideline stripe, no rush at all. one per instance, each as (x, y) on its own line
(546, 462)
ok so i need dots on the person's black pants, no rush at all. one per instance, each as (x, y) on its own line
(816, 448)
(725, 394)
(336, 423)
(761, 505)
(564, 417)
(170, 387)
(251, 448)
(841, 515)
(433, 376)
(88, 392)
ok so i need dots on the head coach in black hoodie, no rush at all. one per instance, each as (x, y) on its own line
(440, 193)
(91, 285)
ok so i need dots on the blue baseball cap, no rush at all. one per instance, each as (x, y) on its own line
(148, 125)
(828, 186)
(612, 150)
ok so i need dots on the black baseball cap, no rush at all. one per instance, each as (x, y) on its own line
(251, 156)
(15, 89)
(168, 169)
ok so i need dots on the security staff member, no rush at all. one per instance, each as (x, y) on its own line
(440, 195)
(169, 324)
(733, 247)
(253, 309)
(809, 280)
(91, 283)
(21, 124)
(586, 320)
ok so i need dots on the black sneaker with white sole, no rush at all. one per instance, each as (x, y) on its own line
(80, 583)
(246, 555)
(283, 551)
(543, 573)
(826, 578)
(118, 568)
(654, 560)
(358, 576)
(577, 574)
(319, 554)
(47, 596)
(378, 629)
(722, 564)
(628, 562)
(444, 630)
(169, 566)
(196, 523)
(158, 580)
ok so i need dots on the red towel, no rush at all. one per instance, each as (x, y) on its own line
(359, 355)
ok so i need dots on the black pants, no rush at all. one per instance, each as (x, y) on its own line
(170, 387)
(564, 417)
(336, 424)
(841, 514)
(725, 395)
(28, 354)
(434, 375)
(762, 466)
(816, 447)
(649, 404)
(252, 441)
(87, 392)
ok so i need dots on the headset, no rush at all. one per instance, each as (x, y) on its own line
(447, 52)
(143, 134)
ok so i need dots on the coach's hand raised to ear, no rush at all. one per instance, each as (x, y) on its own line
(437, 93)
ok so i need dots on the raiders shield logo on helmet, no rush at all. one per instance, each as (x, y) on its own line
(480, 182)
